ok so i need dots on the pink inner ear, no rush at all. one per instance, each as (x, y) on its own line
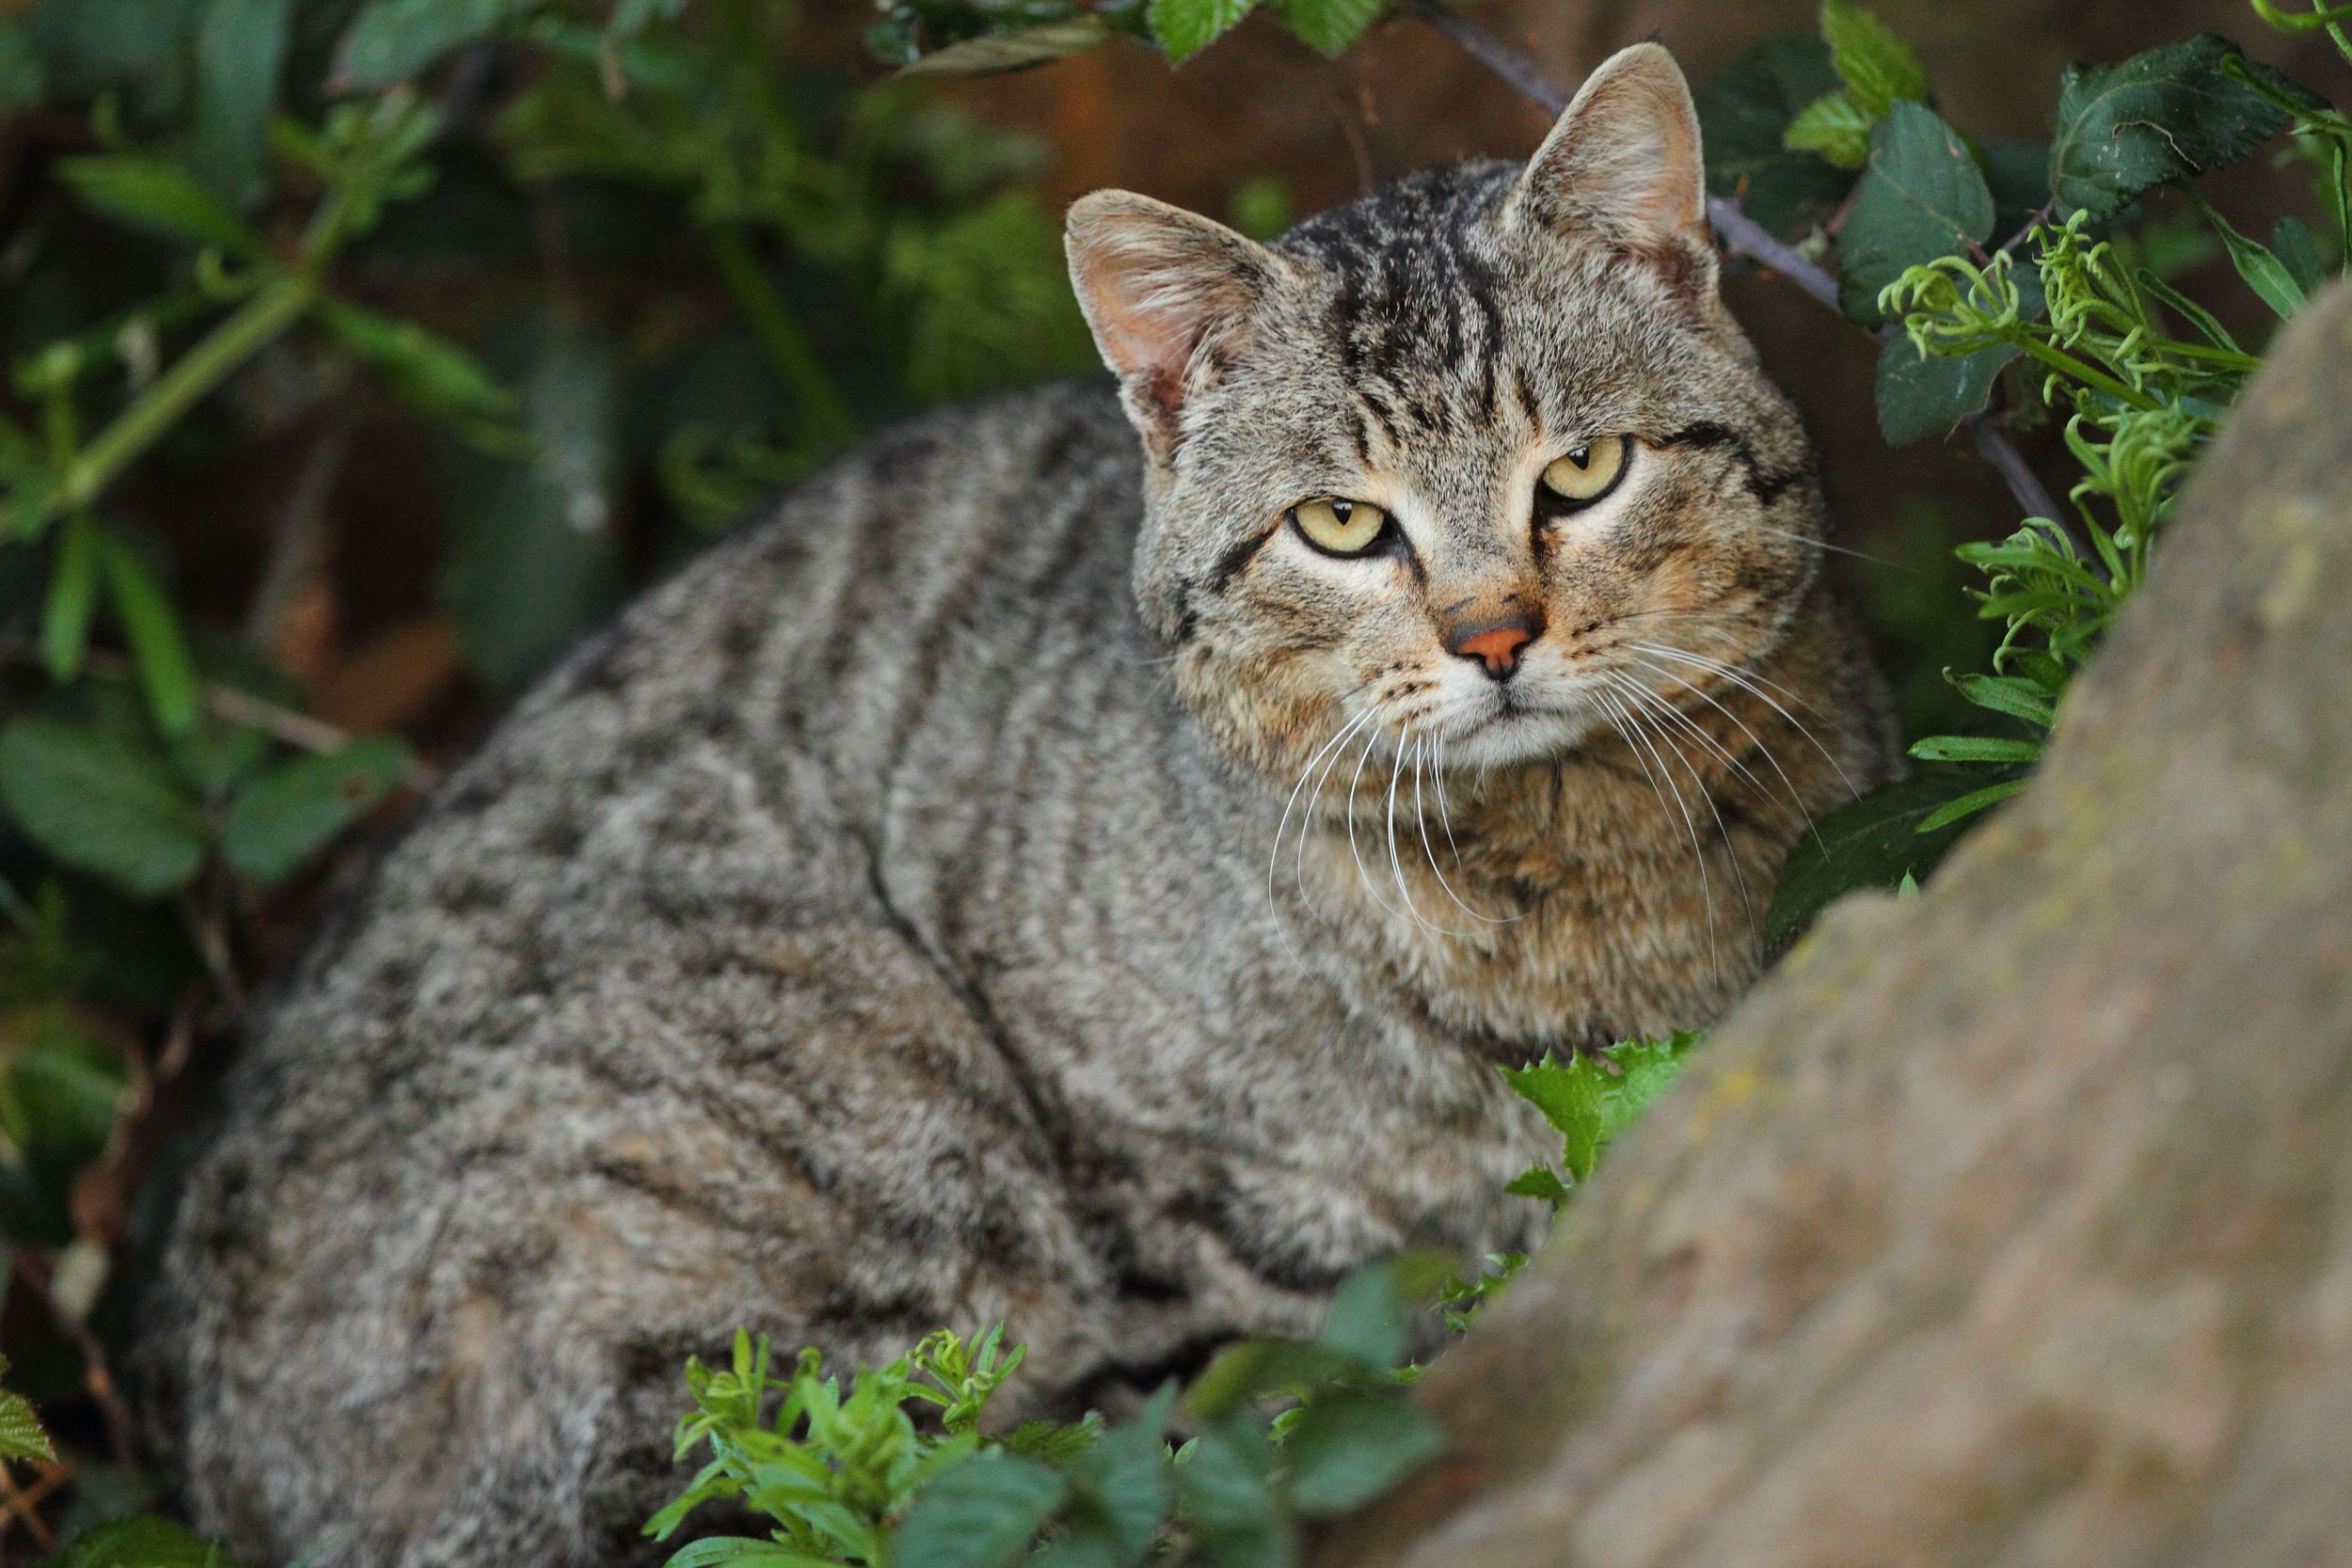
(1144, 341)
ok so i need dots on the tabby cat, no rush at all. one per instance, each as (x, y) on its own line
(1036, 877)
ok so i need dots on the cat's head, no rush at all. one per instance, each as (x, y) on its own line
(1460, 458)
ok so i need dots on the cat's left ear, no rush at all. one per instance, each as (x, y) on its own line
(1623, 160)
(1169, 295)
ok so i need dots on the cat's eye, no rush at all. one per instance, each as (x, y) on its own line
(1589, 473)
(1340, 527)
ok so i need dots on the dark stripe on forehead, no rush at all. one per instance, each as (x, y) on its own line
(1765, 486)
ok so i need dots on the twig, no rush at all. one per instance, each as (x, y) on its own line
(298, 730)
(33, 1270)
(1742, 234)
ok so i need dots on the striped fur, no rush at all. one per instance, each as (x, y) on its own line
(875, 928)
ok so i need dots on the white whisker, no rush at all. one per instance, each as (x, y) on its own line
(1698, 850)
(1437, 749)
(1751, 686)
(1273, 853)
(1651, 702)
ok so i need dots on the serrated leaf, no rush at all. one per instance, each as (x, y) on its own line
(1328, 27)
(1015, 50)
(1921, 198)
(1834, 127)
(97, 803)
(2161, 117)
(159, 196)
(1869, 843)
(1185, 27)
(1877, 66)
(1744, 112)
(1568, 1095)
(983, 1513)
(20, 1434)
(277, 820)
(1347, 1450)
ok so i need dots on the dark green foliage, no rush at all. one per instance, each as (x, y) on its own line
(1875, 842)
(1745, 110)
(1921, 197)
(2168, 115)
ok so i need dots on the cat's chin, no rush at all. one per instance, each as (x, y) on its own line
(1518, 735)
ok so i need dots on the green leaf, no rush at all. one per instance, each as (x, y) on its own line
(1185, 27)
(1921, 198)
(533, 565)
(1869, 843)
(23, 80)
(1877, 66)
(983, 1513)
(1011, 51)
(240, 49)
(1920, 396)
(1744, 113)
(1834, 127)
(2263, 273)
(1569, 1097)
(1123, 1484)
(143, 1542)
(2014, 695)
(2190, 311)
(1346, 1450)
(279, 819)
(2291, 240)
(161, 198)
(1967, 805)
(395, 39)
(21, 1437)
(438, 377)
(96, 802)
(743, 1552)
(1240, 1373)
(72, 596)
(1328, 25)
(1975, 747)
(1226, 1489)
(1541, 1182)
(1367, 1321)
(159, 649)
(2168, 115)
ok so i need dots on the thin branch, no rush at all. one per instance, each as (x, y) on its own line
(1742, 234)
(32, 1270)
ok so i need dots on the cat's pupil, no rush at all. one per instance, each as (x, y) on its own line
(1581, 457)
(1340, 509)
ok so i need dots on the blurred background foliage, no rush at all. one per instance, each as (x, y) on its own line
(362, 353)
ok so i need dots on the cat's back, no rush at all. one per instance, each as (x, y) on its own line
(594, 1003)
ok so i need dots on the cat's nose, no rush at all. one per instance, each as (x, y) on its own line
(1496, 643)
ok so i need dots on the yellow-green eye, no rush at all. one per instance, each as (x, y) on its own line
(1586, 473)
(1338, 525)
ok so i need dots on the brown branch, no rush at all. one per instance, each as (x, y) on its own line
(1741, 236)
(32, 1270)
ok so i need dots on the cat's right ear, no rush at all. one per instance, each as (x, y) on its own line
(1169, 295)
